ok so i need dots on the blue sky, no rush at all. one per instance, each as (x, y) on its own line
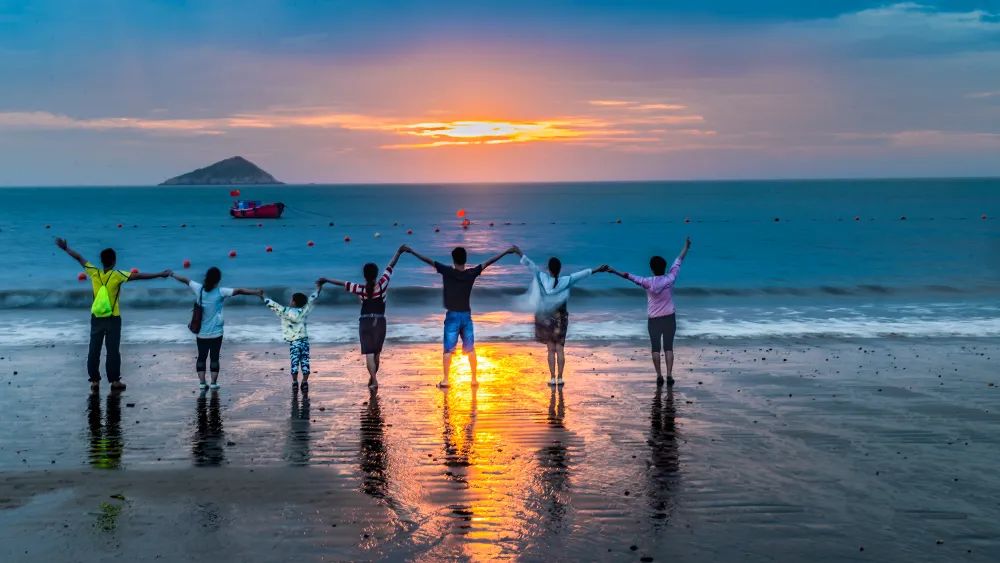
(123, 92)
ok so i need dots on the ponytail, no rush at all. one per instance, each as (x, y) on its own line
(371, 272)
(555, 266)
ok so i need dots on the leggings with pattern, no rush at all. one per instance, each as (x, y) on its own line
(298, 353)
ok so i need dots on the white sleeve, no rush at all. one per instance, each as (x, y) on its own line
(195, 286)
(226, 292)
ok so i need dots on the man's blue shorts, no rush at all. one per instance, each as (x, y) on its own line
(457, 324)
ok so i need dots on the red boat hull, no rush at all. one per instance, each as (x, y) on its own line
(266, 211)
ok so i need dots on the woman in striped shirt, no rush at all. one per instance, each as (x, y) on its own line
(371, 324)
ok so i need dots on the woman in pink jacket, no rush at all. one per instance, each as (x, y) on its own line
(660, 306)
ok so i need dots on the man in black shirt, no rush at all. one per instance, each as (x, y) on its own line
(458, 281)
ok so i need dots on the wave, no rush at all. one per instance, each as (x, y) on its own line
(154, 298)
(427, 330)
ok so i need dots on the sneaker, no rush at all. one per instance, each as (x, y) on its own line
(670, 381)
(560, 382)
(659, 380)
(213, 386)
(203, 386)
(552, 382)
(117, 386)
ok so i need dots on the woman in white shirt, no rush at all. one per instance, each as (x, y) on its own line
(548, 295)
(211, 297)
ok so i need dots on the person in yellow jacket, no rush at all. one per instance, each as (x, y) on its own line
(105, 318)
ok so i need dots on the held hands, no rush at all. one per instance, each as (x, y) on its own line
(603, 268)
(61, 243)
(166, 273)
(515, 250)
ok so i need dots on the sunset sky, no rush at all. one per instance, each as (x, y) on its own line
(117, 92)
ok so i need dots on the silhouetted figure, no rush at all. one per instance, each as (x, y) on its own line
(106, 444)
(297, 446)
(663, 471)
(208, 445)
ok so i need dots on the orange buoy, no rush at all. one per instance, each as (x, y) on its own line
(186, 263)
(310, 243)
(460, 213)
(135, 270)
(409, 231)
(81, 276)
(268, 248)
(232, 254)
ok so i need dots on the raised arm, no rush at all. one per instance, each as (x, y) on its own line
(491, 261)
(242, 291)
(61, 243)
(322, 281)
(684, 251)
(144, 276)
(418, 255)
(181, 278)
(395, 257)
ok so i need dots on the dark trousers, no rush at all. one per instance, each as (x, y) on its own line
(106, 331)
(208, 348)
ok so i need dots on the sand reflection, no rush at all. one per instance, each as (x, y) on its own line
(297, 442)
(106, 444)
(208, 444)
(663, 472)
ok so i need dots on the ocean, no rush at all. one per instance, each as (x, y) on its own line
(770, 259)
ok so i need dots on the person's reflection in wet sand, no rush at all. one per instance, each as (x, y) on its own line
(554, 476)
(458, 445)
(208, 445)
(106, 442)
(297, 445)
(663, 472)
(374, 457)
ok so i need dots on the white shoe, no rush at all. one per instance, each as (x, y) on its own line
(202, 386)
(552, 382)
(560, 382)
(213, 386)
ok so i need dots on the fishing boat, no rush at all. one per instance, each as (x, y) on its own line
(249, 209)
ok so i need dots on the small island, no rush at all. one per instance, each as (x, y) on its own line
(234, 171)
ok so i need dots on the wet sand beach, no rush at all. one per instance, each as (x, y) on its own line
(805, 450)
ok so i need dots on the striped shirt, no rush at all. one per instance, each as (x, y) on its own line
(376, 304)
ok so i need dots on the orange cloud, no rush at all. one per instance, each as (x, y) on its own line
(615, 123)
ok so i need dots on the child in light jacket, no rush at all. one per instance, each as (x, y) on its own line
(294, 331)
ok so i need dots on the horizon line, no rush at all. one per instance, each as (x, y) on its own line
(528, 182)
